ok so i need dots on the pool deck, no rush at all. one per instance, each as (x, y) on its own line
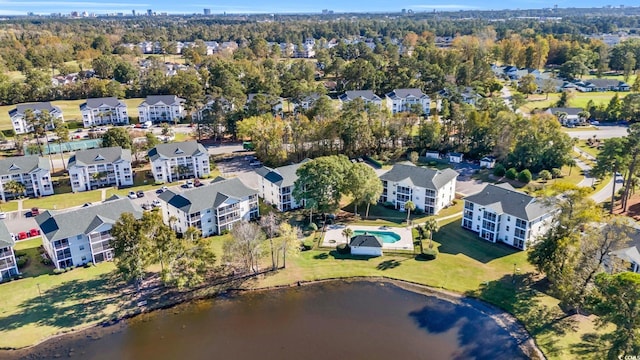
(334, 232)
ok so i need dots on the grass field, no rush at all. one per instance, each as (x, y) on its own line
(70, 110)
(578, 99)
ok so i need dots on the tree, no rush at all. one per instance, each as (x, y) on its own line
(548, 86)
(617, 302)
(431, 226)
(321, 182)
(15, 188)
(633, 148)
(193, 260)
(39, 122)
(613, 157)
(270, 226)
(117, 136)
(289, 241)
(364, 185)
(409, 206)
(163, 243)
(527, 84)
(524, 176)
(244, 247)
(347, 233)
(544, 175)
(61, 130)
(130, 249)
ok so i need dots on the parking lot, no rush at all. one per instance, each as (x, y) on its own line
(239, 165)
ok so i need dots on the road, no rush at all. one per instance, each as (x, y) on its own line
(605, 193)
(601, 132)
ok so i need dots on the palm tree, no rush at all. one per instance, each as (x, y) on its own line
(62, 132)
(431, 226)
(14, 188)
(409, 206)
(347, 233)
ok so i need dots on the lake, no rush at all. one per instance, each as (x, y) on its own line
(331, 320)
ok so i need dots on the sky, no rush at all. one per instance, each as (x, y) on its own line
(21, 7)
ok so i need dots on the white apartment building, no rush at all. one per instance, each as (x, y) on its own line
(174, 161)
(404, 100)
(96, 168)
(211, 208)
(104, 111)
(500, 213)
(81, 236)
(8, 264)
(276, 186)
(159, 108)
(429, 189)
(366, 95)
(17, 115)
(32, 171)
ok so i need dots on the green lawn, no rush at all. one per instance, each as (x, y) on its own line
(63, 201)
(380, 215)
(34, 266)
(591, 150)
(577, 99)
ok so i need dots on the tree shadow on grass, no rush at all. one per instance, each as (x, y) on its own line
(517, 295)
(593, 346)
(321, 256)
(336, 255)
(453, 239)
(388, 264)
(67, 305)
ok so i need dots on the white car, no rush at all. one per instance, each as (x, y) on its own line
(132, 195)
(3, 215)
(156, 203)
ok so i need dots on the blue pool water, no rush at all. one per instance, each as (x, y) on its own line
(387, 237)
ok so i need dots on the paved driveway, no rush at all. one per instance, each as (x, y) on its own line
(239, 166)
(601, 132)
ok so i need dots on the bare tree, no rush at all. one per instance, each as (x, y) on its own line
(244, 248)
(270, 226)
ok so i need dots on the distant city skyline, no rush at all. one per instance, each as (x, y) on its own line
(46, 7)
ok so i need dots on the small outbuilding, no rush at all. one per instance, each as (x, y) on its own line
(432, 155)
(368, 245)
(455, 157)
(488, 162)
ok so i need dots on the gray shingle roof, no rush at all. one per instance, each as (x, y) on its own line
(405, 93)
(605, 83)
(420, 176)
(5, 236)
(95, 103)
(100, 156)
(282, 176)
(504, 199)
(365, 240)
(58, 225)
(354, 94)
(208, 196)
(165, 99)
(567, 110)
(23, 164)
(177, 149)
(20, 108)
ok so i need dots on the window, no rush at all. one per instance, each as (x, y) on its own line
(79, 237)
(507, 227)
(81, 247)
(84, 258)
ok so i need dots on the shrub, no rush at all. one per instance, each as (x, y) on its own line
(224, 232)
(511, 174)
(389, 205)
(343, 249)
(46, 261)
(524, 176)
(545, 175)
(429, 254)
(417, 211)
(22, 261)
(58, 271)
(556, 173)
(312, 227)
(499, 170)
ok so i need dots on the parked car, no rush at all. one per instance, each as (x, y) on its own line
(3, 215)
(140, 194)
(189, 184)
(22, 235)
(35, 211)
(147, 206)
(132, 195)
(255, 163)
(34, 232)
(156, 203)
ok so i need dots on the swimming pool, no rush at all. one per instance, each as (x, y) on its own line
(387, 237)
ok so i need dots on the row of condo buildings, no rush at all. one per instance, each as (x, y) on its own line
(170, 108)
(103, 111)
(96, 168)
(498, 213)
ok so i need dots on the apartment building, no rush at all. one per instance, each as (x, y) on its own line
(8, 264)
(366, 95)
(81, 236)
(181, 160)
(104, 111)
(276, 186)
(429, 189)
(499, 213)
(96, 168)
(17, 115)
(159, 108)
(32, 171)
(211, 208)
(406, 100)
